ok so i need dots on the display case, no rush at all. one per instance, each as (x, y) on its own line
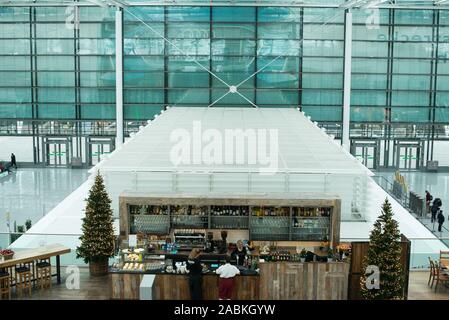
(229, 217)
(149, 219)
(270, 223)
(310, 224)
(189, 216)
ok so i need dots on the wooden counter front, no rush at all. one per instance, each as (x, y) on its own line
(176, 287)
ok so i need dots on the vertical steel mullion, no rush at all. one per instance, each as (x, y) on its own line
(166, 60)
(256, 47)
(210, 54)
(300, 56)
(434, 102)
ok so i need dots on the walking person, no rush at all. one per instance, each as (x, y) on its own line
(13, 160)
(429, 198)
(226, 282)
(434, 211)
(440, 218)
(195, 275)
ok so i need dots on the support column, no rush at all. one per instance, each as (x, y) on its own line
(119, 76)
(347, 81)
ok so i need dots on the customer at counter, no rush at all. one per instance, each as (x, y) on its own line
(240, 253)
(227, 273)
(195, 274)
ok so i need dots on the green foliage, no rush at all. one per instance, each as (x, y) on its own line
(385, 253)
(97, 241)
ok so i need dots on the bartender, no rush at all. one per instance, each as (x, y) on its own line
(240, 253)
(195, 275)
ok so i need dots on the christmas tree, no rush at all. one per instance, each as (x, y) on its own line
(384, 253)
(97, 241)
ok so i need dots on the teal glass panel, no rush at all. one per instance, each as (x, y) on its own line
(54, 13)
(56, 63)
(14, 46)
(233, 64)
(233, 14)
(188, 14)
(326, 81)
(233, 47)
(189, 47)
(143, 47)
(145, 14)
(141, 112)
(188, 64)
(233, 78)
(14, 31)
(56, 95)
(412, 50)
(412, 66)
(413, 17)
(290, 97)
(441, 115)
(370, 18)
(142, 63)
(410, 114)
(188, 96)
(17, 79)
(190, 30)
(413, 34)
(369, 49)
(55, 46)
(98, 79)
(366, 65)
(443, 83)
(279, 14)
(323, 48)
(316, 64)
(15, 111)
(55, 79)
(139, 30)
(268, 47)
(234, 30)
(410, 98)
(11, 63)
(367, 114)
(144, 79)
(369, 81)
(277, 80)
(56, 111)
(442, 99)
(53, 30)
(14, 14)
(323, 15)
(100, 112)
(93, 95)
(188, 79)
(279, 31)
(283, 64)
(97, 14)
(321, 97)
(415, 82)
(323, 113)
(444, 17)
(361, 32)
(97, 46)
(368, 98)
(443, 64)
(143, 95)
(98, 63)
(324, 32)
(233, 99)
(98, 30)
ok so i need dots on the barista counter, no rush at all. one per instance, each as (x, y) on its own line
(276, 280)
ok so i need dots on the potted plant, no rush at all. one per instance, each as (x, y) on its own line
(303, 255)
(97, 241)
(7, 254)
(330, 255)
(28, 224)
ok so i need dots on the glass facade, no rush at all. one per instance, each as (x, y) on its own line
(52, 68)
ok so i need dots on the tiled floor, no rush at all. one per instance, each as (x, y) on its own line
(32, 193)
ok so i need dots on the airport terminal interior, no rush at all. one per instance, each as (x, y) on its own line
(270, 135)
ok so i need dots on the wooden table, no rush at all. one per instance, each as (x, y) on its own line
(444, 263)
(34, 254)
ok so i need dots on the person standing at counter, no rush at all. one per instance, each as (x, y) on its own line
(195, 275)
(240, 253)
(227, 274)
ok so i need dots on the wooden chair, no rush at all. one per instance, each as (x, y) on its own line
(23, 279)
(432, 273)
(440, 276)
(43, 274)
(5, 284)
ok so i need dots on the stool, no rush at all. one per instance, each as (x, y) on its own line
(43, 276)
(5, 284)
(23, 279)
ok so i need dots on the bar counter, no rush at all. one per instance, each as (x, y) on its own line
(277, 280)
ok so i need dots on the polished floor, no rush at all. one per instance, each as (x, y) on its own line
(98, 288)
(32, 193)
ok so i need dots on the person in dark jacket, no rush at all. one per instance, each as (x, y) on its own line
(434, 211)
(440, 219)
(240, 253)
(429, 198)
(13, 161)
(195, 275)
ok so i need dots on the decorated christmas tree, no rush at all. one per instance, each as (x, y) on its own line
(97, 241)
(384, 253)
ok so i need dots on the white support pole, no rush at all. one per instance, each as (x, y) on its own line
(119, 76)
(347, 80)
